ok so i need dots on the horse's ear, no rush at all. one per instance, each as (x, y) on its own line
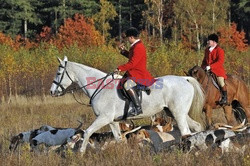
(65, 58)
(59, 60)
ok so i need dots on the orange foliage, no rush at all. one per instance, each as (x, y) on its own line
(186, 42)
(6, 40)
(21, 42)
(80, 31)
(17, 42)
(233, 38)
(45, 35)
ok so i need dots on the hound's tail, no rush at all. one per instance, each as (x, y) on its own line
(239, 128)
(239, 112)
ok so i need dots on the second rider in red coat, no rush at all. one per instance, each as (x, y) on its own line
(214, 60)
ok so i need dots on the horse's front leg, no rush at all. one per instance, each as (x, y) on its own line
(229, 114)
(116, 130)
(209, 113)
(100, 122)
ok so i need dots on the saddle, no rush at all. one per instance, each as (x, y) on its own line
(216, 84)
(138, 88)
(214, 80)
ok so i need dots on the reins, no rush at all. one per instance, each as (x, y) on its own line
(210, 78)
(98, 89)
(207, 74)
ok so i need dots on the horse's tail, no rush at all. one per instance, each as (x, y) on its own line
(239, 112)
(195, 111)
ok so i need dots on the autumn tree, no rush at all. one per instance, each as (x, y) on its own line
(80, 31)
(200, 18)
(102, 18)
(233, 38)
(8, 67)
(6, 40)
(154, 15)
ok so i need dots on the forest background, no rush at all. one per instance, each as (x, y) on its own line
(34, 32)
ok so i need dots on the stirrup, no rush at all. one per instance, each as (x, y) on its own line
(223, 102)
(135, 112)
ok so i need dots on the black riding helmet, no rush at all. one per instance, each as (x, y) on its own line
(132, 32)
(213, 37)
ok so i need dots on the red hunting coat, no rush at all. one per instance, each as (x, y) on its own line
(215, 60)
(136, 67)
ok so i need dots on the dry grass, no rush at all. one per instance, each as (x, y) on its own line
(24, 114)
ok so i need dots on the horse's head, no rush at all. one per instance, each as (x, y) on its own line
(62, 79)
(197, 72)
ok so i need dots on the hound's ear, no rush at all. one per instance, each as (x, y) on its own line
(59, 60)
(65, 58)
(186, 73)
(146, 134)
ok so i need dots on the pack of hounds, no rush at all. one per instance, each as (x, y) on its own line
(160, 136)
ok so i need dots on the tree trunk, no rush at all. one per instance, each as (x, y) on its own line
(153, 32)
(213, 19)
(56, 21)
(10, 89)
(160, 17)
(43, 89)
(175, 31)
(120, 21)
(198, 37)
(15, 88)
(130, 14)
(25, 29)
(64, 12)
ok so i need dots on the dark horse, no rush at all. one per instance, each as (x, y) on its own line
(237, 96)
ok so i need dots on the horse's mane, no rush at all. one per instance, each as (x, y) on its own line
(84, 67)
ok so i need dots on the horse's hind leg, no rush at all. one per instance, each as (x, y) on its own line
(228, 114)
(100, 122)
(209, 112)
(181, 118)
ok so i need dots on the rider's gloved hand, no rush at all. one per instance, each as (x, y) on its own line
(117, 71)
(208, 68)
(121, 47)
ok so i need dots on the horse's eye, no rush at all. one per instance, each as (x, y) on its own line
(58, 74)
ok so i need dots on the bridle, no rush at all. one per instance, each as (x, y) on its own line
(98, 89)
(63, 73)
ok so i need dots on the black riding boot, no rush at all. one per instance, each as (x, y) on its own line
(135, 100)
(223, 100)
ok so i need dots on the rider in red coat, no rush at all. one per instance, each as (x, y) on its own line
(136, 70)
(214, 60)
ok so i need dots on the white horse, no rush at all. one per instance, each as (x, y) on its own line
(179, 95)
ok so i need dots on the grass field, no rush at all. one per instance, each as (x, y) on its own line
(23, 114)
